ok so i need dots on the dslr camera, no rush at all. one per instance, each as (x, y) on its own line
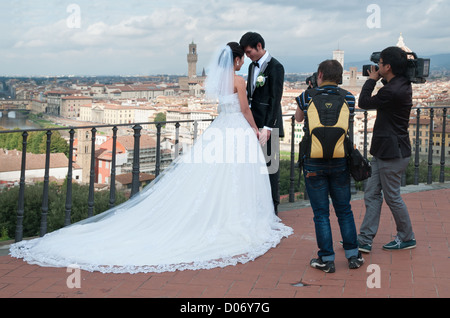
(416, 71)
(312, 81)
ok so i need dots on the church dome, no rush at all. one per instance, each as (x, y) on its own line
(401, 44)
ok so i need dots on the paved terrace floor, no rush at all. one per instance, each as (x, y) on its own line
(283, 272)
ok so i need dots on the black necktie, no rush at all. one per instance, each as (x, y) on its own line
(255, 64)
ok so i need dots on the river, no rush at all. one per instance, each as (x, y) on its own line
(14, 120)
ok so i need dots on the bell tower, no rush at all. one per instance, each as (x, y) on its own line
(338, 55)
(84, 151)
(192, 59)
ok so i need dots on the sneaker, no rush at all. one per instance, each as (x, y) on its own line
(327, 267)
(355, 261)
(397, 244)
(365, 248)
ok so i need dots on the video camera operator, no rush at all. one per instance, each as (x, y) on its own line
(391, 148)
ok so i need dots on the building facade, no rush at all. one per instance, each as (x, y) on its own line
(70, 105)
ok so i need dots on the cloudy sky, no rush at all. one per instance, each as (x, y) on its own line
(144, 37)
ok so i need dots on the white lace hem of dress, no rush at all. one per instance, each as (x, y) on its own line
(19, 250)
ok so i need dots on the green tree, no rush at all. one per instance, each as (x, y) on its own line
(285, 178)
(423, 172)
(160, 117)
(11, 141)
(36, 142)
(58, 144)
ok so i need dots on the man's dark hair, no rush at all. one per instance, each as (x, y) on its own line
(396, 58)
(331, 70)
(252, 39)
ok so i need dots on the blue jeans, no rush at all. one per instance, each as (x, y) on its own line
(331, 177)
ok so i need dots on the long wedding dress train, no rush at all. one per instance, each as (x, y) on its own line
(211, 208)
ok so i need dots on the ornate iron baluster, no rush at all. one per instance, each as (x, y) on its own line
(44, 207)
(442, 170)
(92, 176)
(136, 157)
(366, 121)
(21, 203)
(430, 149)
(68, 206)
(351, 135)
(292, 176)
(365, 150)
(158, 150)
(416, 160)
(177, 139)
(112, 191)
(195, 130)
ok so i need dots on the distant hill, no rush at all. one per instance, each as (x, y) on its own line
(440, 61)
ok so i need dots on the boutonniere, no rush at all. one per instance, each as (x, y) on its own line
(260, 80)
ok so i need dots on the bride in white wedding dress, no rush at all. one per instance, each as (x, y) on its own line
(211, 208)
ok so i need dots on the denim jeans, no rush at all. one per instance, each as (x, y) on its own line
(331, 177)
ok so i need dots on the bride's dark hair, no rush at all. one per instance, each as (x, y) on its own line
(237, 50)
(220, 79)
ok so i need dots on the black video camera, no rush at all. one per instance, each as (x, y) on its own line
(375, 57)
(416, 71)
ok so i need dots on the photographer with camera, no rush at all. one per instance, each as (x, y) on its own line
(391, 148)
(323, 157)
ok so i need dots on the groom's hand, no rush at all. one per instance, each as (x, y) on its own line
(264, 136)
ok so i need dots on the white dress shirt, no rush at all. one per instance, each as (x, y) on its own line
(256, 70)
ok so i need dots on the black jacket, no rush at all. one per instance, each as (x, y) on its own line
(393, 103)
(266, 100)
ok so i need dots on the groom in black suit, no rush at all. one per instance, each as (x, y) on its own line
(264, 90)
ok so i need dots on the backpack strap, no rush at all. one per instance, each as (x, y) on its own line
(312, 92)
(342, 92)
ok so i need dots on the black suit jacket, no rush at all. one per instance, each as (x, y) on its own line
(265, 101)
(393, 103)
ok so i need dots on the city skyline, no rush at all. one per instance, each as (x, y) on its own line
(117, 37)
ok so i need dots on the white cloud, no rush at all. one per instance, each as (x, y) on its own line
(30, 44)
(152, 36)
(435, 5)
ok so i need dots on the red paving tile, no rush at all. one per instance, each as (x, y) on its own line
(423, 272)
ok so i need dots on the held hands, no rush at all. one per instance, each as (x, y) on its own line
(264, 136)
(256, 131)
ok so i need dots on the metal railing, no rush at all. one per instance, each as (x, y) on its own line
(416, 146)
(137, 127)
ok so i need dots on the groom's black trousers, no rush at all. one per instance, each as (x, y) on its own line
(272, 154)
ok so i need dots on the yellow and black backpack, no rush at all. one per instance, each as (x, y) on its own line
(327, 124)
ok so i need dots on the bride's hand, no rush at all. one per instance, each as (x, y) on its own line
(256, 131)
